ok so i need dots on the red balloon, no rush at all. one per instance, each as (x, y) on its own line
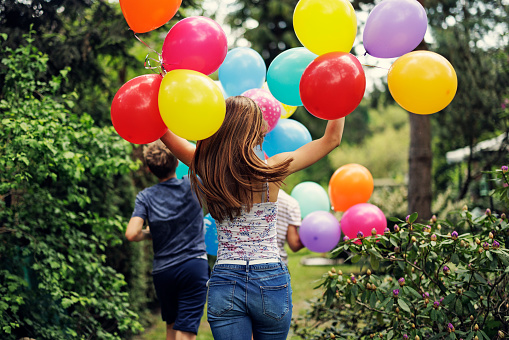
(332, 85)
(135, 110)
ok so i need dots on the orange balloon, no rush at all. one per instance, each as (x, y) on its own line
(146, 15)
(351, 184)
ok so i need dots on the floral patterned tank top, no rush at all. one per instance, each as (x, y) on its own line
(250, 236)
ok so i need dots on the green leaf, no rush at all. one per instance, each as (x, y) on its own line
(459, 307)
(433, 315)
(356, 258)
(455, 259)
(390, 334)
(373, 300)
(375, 263)
(448, 299)
(412, 218)
(403, 305)
(408, 289)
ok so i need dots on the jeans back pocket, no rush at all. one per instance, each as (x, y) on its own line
(276, 300)
(220, 297)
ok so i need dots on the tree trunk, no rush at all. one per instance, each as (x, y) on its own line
(419, 160)
(419, 166)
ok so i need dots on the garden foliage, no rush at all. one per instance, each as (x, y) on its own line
(436, 280)
(57, 218)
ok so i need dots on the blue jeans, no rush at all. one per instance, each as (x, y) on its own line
(249, 300)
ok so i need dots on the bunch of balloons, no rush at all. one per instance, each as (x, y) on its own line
(183, 98)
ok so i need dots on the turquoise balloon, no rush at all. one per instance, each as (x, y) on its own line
(285, 71)
(311, 197)
(243, 69)
(182, 170)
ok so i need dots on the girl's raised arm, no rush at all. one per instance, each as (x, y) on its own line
(179, 146)
(312, 152)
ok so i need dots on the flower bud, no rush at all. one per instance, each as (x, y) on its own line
(486, 246)
(401, 281)
(476, 327)
(439, 227)
(433, 237)
(471, 318)
(397, 310)
(340, 272)
(490, 235)
(396, 250)
(414, 239)
(495, 244)
(396, 228)
(501, 334)
(488, 212)
(387, 231)
(454, 235)
(333, 269)
(360, 235)
(346, 239)
(477, 241)
(417, 337)
(504, 168)
(368, 272)
(465, 208)
(373, 232)
(395, 293)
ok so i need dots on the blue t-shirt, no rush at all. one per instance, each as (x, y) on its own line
(175, 219)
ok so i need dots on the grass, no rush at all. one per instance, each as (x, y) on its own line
(304, 280)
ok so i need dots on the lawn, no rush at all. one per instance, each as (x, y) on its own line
(304, 279)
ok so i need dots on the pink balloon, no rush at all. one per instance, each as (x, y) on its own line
(195, 43)
(270, 106)
(363, 217)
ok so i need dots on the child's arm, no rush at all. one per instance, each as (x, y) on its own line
(312, 152)
(179, 146)
(135, 232)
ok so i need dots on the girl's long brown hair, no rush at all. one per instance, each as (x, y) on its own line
(225, 170)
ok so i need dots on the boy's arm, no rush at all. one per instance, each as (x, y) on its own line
(293, 238)
(135, 232)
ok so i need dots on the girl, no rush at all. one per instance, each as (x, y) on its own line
(249, 292)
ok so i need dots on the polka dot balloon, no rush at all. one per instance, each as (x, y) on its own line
(270, 106)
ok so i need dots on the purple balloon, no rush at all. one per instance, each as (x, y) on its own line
(363, 217)
(394, 28)
(320, 231)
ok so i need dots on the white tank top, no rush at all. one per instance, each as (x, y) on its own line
(250, 236)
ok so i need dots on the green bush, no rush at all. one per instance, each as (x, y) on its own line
(422, 281)
(57, 218)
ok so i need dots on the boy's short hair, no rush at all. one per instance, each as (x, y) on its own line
(159, 159)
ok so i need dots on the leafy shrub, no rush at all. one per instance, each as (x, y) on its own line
(422, 281)
(56, 221)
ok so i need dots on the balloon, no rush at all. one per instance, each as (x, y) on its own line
(218, 83)
(271, 108)
(324, 26)
(363, 217)
(394, 27)
(333, 85)
(147, 15)
(195, 43)
(288, 135)
(243, 69)
(135, 112)
(285, 71)
(211, 241)
(311, 197)
(286, 110)
(191, 104)
(182, 170)
(422, 82)
(320, 231)
(349, 185)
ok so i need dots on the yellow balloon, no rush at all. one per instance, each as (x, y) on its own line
(422, 82)
(191, 104)
(324, 26)
(288, 110)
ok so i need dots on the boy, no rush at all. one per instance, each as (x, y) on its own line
(175, 225)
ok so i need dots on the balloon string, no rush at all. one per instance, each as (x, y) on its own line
(136, 36)
(383, 68)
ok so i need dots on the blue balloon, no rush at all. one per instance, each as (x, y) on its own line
(285, 71)
(311, 197)
(288, 135)
(211, 241)
(243, 69)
